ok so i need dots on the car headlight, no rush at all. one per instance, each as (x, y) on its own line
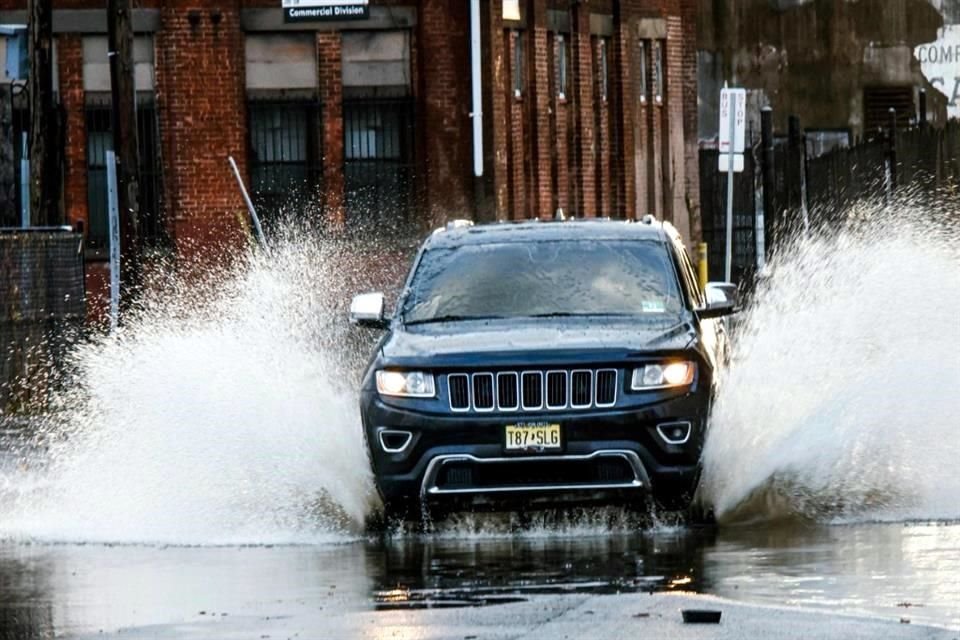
(407, 384)
(666, 374)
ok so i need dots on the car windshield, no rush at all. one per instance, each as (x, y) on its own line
(543, 279)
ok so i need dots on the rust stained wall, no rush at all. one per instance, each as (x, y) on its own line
(812, 58)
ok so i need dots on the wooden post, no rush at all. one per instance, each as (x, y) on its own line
(124, 126)
(892, 153)
(46, 179)
(922, 120)
(771, 217)
(9, 211)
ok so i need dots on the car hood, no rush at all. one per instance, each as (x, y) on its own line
(533, 341)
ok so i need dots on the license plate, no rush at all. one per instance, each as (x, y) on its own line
(534, 435)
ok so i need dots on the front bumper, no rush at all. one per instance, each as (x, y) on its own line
(605, 455)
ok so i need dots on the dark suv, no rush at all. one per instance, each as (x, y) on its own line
(542, 362)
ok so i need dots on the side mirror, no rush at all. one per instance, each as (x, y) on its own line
(721, 300)
(366, 310)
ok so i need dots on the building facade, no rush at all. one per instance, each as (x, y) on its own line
(839, 66)
(589, 107)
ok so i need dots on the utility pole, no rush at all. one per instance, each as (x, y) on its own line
(124, 126)
(46, 179)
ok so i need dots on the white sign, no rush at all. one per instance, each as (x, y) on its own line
(723, 161)
(323, 10)
(739, 99)
(940, 62)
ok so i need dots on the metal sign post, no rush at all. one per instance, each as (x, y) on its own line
(733, 119)
(113, 220)
(25, 183)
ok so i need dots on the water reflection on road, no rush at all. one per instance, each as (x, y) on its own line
(891, 570)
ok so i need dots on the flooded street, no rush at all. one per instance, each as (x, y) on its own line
(889, 571)
(207, 477)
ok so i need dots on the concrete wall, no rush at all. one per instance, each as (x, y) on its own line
(813, 58)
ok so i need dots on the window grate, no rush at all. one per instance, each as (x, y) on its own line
(98, 118)
(286, 172)
(378, 158)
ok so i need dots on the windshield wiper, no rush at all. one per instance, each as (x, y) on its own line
(451, 318)
(570, 314)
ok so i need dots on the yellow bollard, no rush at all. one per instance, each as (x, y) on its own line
(702, 266)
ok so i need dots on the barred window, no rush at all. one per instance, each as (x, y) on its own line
(99, 139)
(285, 167)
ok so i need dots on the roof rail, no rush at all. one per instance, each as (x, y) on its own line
(458, 224)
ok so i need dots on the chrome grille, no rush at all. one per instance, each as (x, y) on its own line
(581, 389)
(483, 392)
(508, 395)
(532, 390)
(556, 389)
(606, 395)
(459, 384)
(527, 391)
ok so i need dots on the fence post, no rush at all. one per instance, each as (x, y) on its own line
(923, 107)
(770, 215)
(798, 161)
(8, 163)
(891, 173)
(793, 172)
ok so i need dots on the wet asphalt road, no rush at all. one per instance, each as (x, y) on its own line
(537, 583)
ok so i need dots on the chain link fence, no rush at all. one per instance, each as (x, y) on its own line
(42, 311)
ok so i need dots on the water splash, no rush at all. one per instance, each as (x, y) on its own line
(841, 401)
(223, 412)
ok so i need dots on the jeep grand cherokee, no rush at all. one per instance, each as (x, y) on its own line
(542, 362)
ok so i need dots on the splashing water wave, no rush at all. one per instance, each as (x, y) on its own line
(841, 401)
(224, 412)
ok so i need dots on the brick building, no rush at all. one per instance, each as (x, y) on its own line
(590, 106)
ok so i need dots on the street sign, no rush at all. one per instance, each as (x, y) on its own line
(733, 129)
(325, 10)
(723, 161)
(739, 99)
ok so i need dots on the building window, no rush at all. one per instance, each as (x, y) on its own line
(658, 72)
(511, 10)
(378, 126)
(641, 64)
(517, 64)
(561, 75)
(284, 161)
(378, 152)
(99, 140)
(604, 70)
